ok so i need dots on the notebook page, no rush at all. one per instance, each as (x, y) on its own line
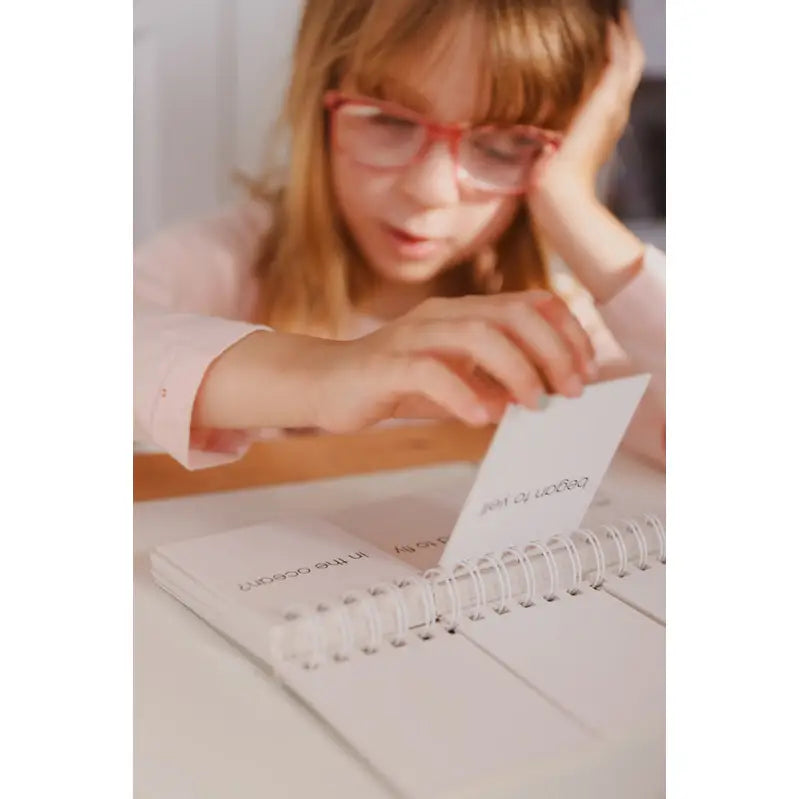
(436, 715)
(415, 527)
(253, 574)
(412, 528)
(542, 469)
(593, 655)
(631, 487)
(642, 589)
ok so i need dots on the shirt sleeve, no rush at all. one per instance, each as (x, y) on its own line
(629, 336)
(636, 317)
(193, 287)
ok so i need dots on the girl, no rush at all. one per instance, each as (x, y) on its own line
(438, 152)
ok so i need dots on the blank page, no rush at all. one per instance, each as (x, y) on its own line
(436, 715)
(643, 589)
(590, 653)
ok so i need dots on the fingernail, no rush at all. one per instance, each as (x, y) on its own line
(534, 400)
(480, 415)
(573, 386)
(592, 370)
(533, 404)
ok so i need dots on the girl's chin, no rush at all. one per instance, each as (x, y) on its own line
(409, 272)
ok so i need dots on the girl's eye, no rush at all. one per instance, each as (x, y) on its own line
(388, 121)
(508, 149)
(506, 157)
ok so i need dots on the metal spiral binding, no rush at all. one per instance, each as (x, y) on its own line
(503, 578)
(479, 585)
(311, 621)
(574, 560)
(429, 602)
(372, 644)
(599, 555)
(332, 632)
(399, 638)
(436, 577)
(552, 568)
(643, 551)
(657, 526)
(527, 571)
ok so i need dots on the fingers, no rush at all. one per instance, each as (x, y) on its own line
(538, 322)
(466, 358)
(417, 407)
(618, 55)
(636, 58)
(625, 51)
(485, 346)
(544, 345)
(427, 377)
(557, 313)
(492, 397)
(627, 27)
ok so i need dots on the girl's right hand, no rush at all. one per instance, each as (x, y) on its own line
(464, 358)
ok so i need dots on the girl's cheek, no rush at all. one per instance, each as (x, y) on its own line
(376, 184)
(359, 185)
(374, 187)
(345, 168)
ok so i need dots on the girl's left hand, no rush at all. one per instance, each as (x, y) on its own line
(601, 252)
(599, 122)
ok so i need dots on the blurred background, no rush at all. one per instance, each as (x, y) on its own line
(208, 80)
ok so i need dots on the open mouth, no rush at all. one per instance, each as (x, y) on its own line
(411, 246)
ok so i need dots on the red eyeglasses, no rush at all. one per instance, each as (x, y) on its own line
(385, 135)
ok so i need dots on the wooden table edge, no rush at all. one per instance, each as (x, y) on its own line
(300, 458)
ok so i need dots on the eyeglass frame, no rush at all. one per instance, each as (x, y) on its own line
(434, 131)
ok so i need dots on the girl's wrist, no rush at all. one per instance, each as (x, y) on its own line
(267, 379)
(602, 253)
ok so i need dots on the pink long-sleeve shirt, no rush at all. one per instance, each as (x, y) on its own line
(195, 295)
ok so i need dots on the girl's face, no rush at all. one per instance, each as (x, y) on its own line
(412, 223)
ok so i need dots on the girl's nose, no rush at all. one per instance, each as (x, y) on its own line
(432, 182)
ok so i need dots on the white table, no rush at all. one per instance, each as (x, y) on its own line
(209, 723)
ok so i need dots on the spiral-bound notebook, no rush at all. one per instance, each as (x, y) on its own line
(541, 654)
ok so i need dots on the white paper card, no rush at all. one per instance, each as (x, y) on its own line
(645, 590)
(594, 656)
(435, 716)
(542, 469)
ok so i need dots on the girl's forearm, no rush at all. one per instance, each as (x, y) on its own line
(603, 254)
(261, 381)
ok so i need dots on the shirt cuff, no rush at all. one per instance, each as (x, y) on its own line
(644, 297)
(196, 343)
(636, 316)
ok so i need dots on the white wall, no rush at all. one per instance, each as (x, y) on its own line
(650, 22)
(208, 81)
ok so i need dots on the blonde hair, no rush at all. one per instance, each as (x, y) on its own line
(540, 55)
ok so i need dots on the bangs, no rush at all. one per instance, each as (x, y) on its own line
(536, 59)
